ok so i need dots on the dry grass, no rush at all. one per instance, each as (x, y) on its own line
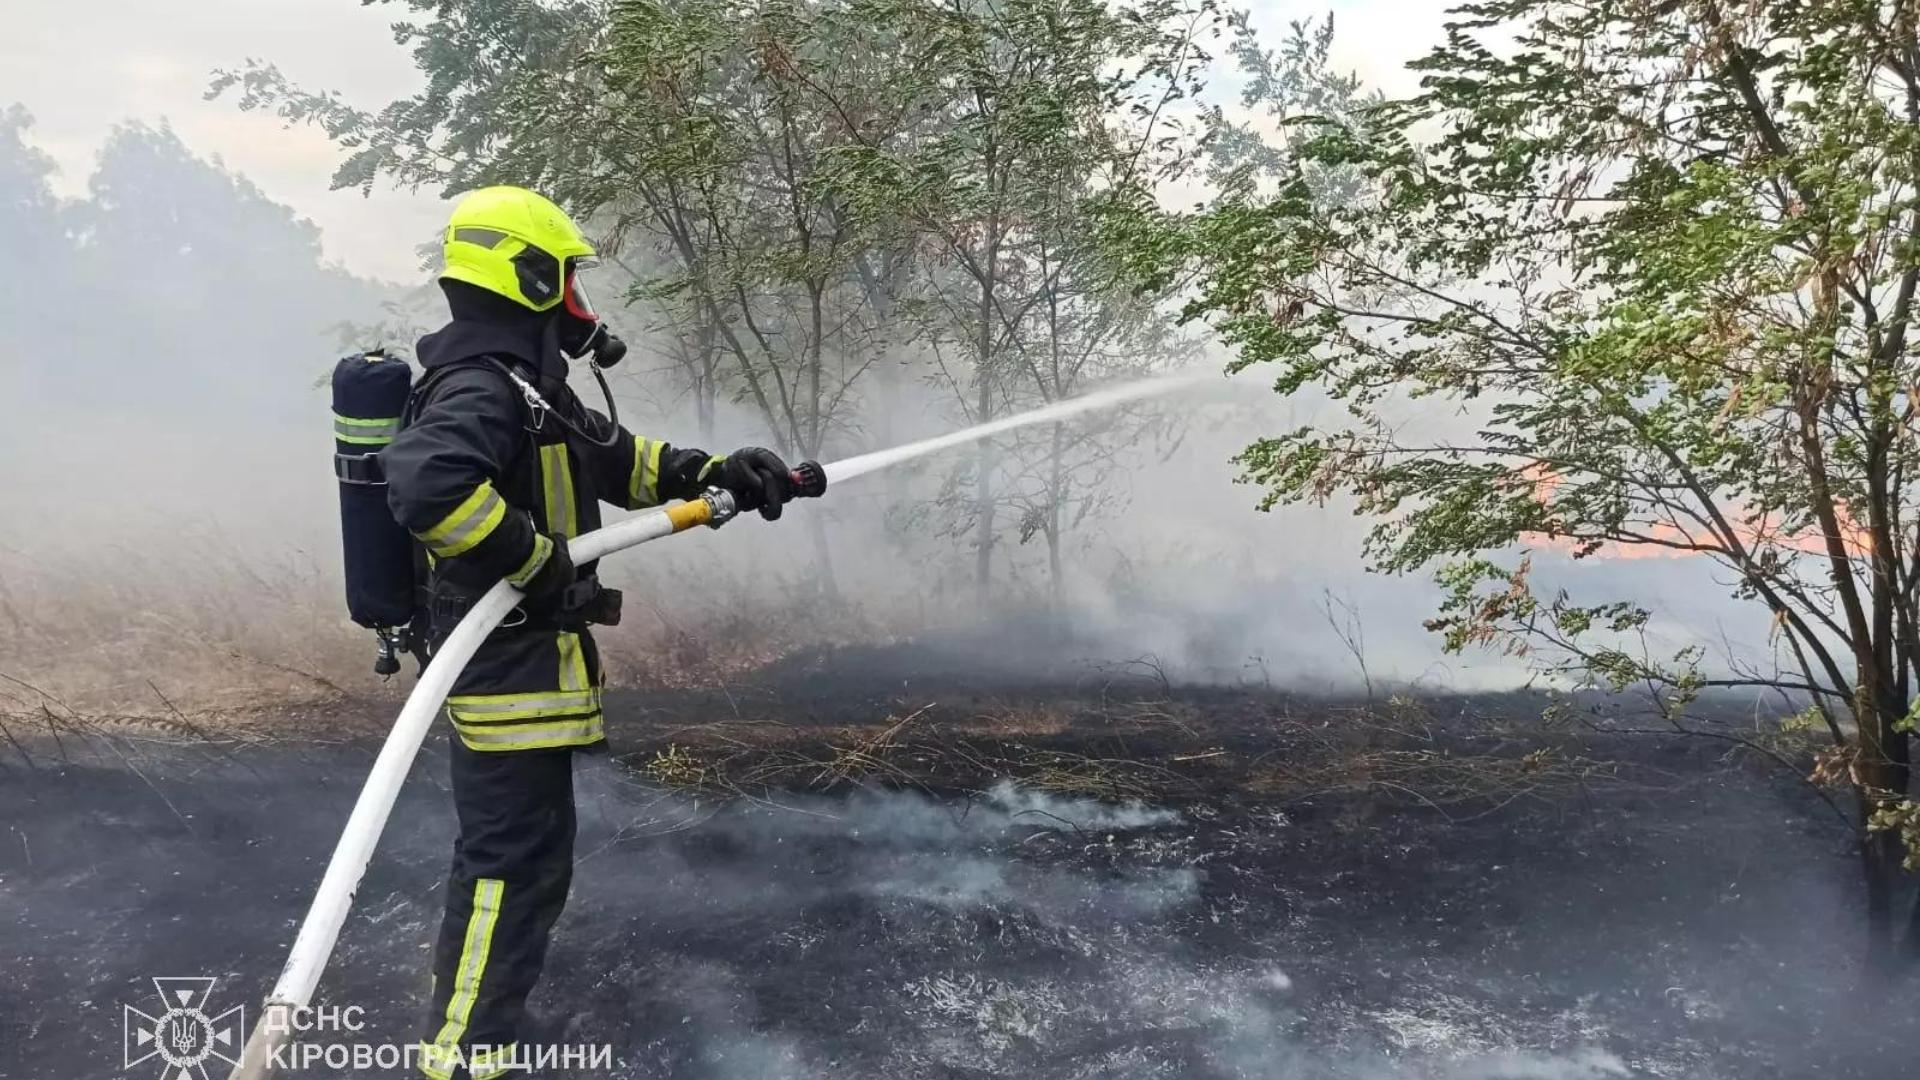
(225, 651)
(679, 768)
(224, 635)
(137, 635)
(754, 760)
(1018, 721)
(1147, 750)
(1438, 778)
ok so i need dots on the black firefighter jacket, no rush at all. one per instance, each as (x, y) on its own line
(482, 480)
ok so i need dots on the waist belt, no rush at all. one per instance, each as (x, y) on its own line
(582, 602)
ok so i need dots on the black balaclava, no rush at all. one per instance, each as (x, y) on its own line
(538, 331)
(571, 334)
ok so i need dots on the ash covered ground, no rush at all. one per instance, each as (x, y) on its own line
(879, 864)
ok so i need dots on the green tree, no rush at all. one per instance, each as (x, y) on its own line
(181, 269)
(33, 229)
(1278, 87)
(1032, 108)
(1660, 260)
(809, 195)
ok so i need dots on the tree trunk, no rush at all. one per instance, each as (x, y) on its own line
(983, 506)
(704, 405)
(823, 556)
(983, 410)
(706, 383)
(1912, 949)
(987, 276)
(1881, 775)
(1056, 602)
(1056, 497)
(1880, 864)
(816, 343)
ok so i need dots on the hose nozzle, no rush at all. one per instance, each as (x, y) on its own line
(717, 506)
(809, 480)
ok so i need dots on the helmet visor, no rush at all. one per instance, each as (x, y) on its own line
(579, 304)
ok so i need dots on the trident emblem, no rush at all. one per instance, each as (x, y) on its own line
(183, 1036)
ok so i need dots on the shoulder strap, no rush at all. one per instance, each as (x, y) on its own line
(537, 408)
(417, 398)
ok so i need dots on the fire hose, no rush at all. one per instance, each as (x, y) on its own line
(321, 928)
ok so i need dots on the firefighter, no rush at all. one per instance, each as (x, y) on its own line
(497, 465)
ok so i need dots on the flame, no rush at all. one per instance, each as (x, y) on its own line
(1755, 531)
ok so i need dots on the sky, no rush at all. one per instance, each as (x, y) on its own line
(150, 60)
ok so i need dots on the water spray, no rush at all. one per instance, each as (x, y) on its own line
(313, 946)
(848, 468)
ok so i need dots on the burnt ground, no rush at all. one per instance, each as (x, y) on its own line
(880, 864)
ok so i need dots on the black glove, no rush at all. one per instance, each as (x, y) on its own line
(546, 589)
(604, 608)
(758, 479)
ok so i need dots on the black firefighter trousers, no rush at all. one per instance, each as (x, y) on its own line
(512, 865)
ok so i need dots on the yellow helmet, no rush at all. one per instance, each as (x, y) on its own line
(514, 242)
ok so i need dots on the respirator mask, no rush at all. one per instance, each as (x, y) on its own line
(582, 333)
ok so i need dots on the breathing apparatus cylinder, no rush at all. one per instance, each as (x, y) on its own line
(369, 401)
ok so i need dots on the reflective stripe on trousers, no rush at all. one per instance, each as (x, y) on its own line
(439, 1057)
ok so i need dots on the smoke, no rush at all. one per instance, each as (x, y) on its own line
(172, 329)
(1081, 814)
(1024, 934)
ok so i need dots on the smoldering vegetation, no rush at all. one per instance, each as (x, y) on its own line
(1651, 919)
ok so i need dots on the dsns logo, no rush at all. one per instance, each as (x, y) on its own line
(183, 1036)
